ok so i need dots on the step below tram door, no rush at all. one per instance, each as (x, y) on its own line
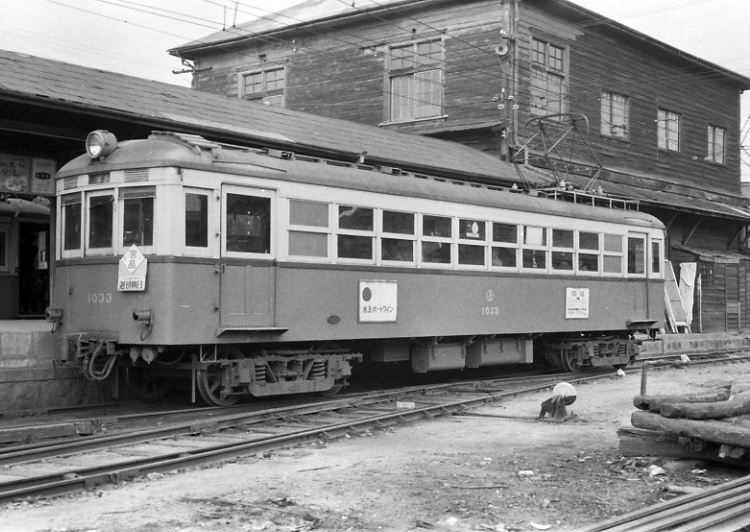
(247, 268)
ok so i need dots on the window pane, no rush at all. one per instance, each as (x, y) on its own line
(248, 224)
(562, 239)
(402, 57)
(436, 226)
(308, 213)
(397, 249)
(275, 80)
(402, 97)
(3, 249)
(562, 260)
(636, 256)
(401, 223)
(354, 247)
(429, 53)
(72, 226)
(138, 222)
(612, 243)
(588, 240)
(253, 83)
(655, 257)
(533, 258)
(612, 264)
(427, 94)
(505, 257)
(100, 221)
(504, 233)
(588, 263)
(472, 230)
(355, 218)
(196, 220)
(555, 57)
(471, 255)
(534, 236)
(436, 252)
(308, 244)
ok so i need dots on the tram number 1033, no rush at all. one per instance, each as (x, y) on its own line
(490, 311)
(98, 298)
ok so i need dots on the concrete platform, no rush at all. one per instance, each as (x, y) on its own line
(31, 374)
(667, 344)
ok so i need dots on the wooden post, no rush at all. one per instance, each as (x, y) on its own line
(644, 377)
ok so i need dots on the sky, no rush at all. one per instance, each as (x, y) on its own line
(132, 36)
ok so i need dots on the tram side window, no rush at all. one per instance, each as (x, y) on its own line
(248, 222)
(100, 221)
(472, 231)
(436, 234)
(504, 243)
(354, 222)
(71, 222)
(394, 248)
(138, 217)
(196, 220)
(534, 237)
(588, 262)
(636, 255)
(656, 259)
(313, 241)
(562, 240)
(612, 259)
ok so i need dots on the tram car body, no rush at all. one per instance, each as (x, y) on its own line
(261, 272)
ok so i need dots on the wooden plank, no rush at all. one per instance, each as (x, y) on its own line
(735, 433)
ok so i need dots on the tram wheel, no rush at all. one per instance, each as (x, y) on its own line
(209, 379)
(334, 390)
(146, 386)
(569, 362)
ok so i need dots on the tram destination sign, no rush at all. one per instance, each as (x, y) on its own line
(131, 274)
(378, 301)
(20, 174)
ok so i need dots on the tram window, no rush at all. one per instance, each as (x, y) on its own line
(505, 257)
(505, 233)
(436, 252)
(562, 260)
(612, 243)
(472, 230)
(71, 222)
(196, 220)
(588, 262)
(303, 244)
(561, 239)
(534, 258)
(612, 264)
(355, 218)
(248, 220)
(636, 255)
(534, 236)
(354, 247)
(588, 240)
(401, 223)
(138, 217)
(308, 213)
(656, 257)
(437, 226)
(397, 249)
(100, 221)
(471, 255)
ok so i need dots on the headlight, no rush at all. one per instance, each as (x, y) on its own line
(100, 143)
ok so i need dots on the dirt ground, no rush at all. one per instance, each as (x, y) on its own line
(503, 471)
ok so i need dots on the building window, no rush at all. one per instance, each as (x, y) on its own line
(615, 115)
(265, 86)
(716, 144)
(415, 80)
(668, 130)
(548, 81)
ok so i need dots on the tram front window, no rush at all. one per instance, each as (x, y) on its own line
(138, 222)
(100, 222)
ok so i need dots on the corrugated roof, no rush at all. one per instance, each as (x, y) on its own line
(167, 106)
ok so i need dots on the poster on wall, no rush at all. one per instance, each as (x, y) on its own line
(20, 174)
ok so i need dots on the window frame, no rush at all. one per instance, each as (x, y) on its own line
(665, 134)
(411, 75)
(5, 235)
(210, 249)
(542, 72)
(711, 148)
(264, 96)
(363, 233)
(382, 234)
(267, 193)
(326, 230)
(122, 193)
(608, 112)
(88, 251)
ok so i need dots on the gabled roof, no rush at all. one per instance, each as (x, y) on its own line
(312, 13)
(48, 83)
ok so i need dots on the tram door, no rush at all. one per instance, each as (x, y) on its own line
(247, 271)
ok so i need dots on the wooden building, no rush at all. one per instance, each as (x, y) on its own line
(542, 83)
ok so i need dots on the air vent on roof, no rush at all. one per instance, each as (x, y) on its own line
(70, 183)
(136, 175)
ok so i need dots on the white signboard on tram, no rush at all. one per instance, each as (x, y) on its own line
(577, 304)
(131, 275)
(378, 301)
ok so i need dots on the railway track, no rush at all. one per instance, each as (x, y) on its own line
(58, 468)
